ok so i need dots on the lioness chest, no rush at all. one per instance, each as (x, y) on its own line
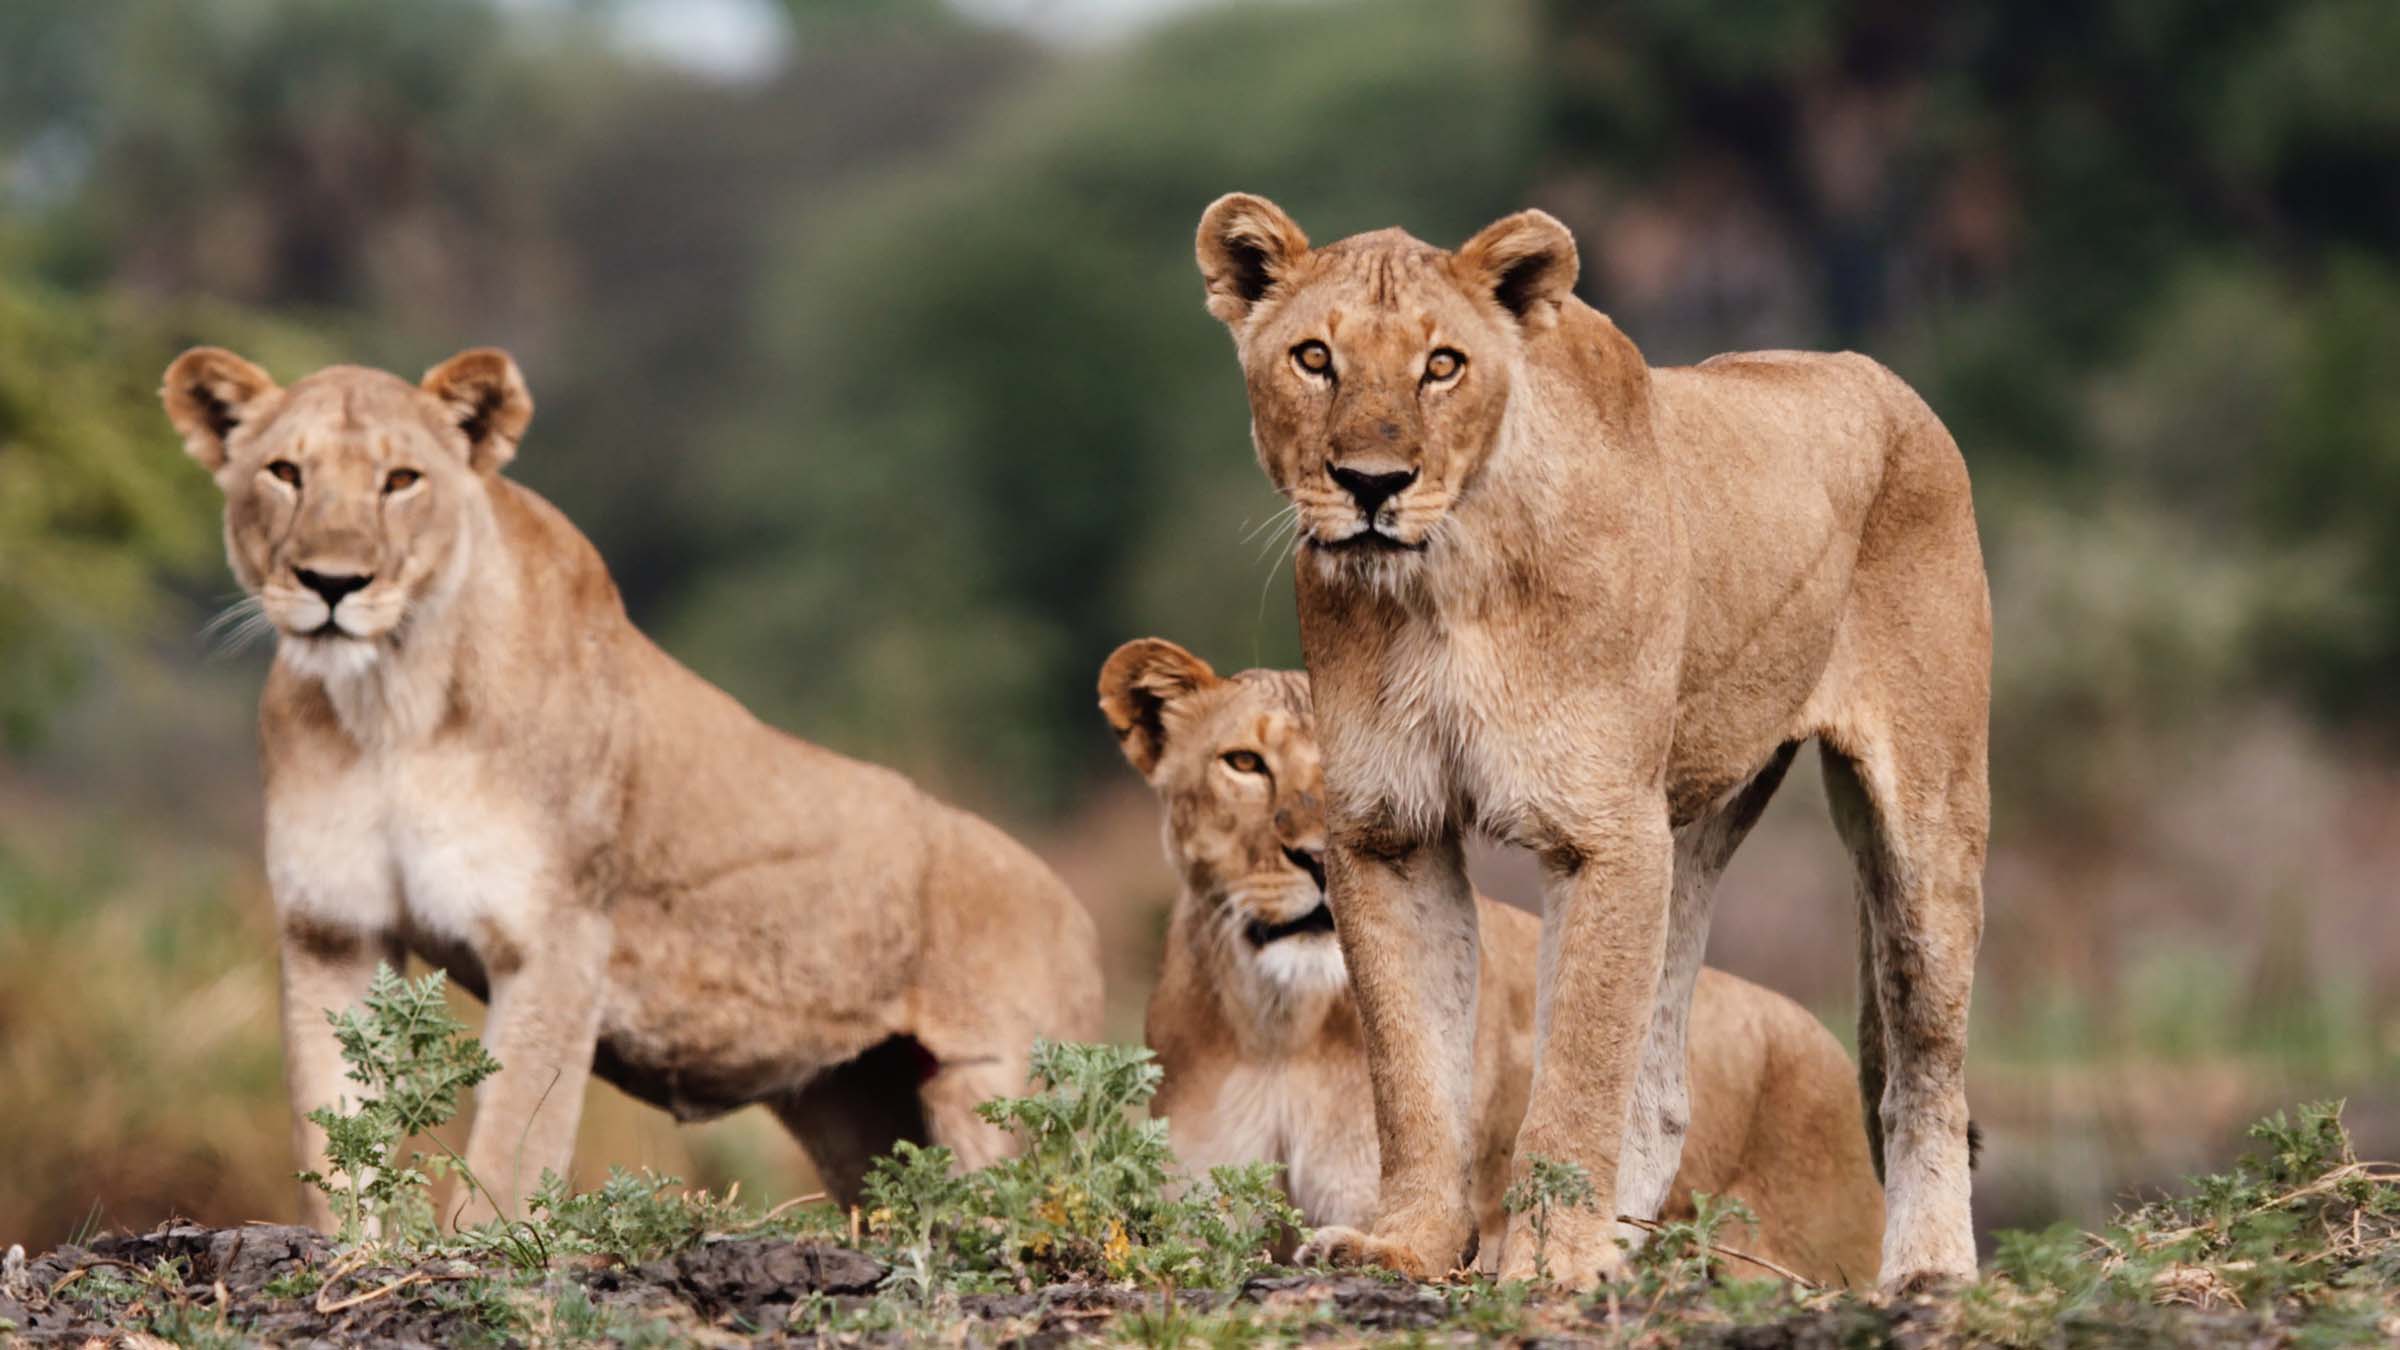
(426, 842)
(1441, 732)
(1314, 1116)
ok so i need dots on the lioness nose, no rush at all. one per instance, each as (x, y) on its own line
(331, 585)
(1372, 490)
(1309, 860)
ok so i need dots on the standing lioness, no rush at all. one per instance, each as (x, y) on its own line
(1259, 1038)
(1593, 608)
(472, 754)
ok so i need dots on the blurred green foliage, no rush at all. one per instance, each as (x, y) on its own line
(885, 386)
(89, 508)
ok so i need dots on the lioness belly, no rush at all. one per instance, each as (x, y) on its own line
(749, 984)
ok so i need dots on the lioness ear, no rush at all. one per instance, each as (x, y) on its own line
(1137, 683)
(208, 392)
(1246, 245)
(1526, 262)
(487, 399)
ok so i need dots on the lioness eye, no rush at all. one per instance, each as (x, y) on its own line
(1313, 356)
(400, 478)
(1443, 364)
(285, 471)
(1245, 761)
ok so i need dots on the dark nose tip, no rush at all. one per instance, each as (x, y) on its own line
(1372, 490)
(1309, 860)
(332, 586)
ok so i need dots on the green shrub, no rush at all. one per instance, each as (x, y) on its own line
(414, 1059)
(1093, 1193)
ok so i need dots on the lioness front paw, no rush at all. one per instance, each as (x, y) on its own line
(1337, 1246)
(1574, 1256)
(1910, 1284)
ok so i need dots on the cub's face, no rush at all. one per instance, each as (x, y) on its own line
(1378, 367)
(346, 495)
(1234, 762)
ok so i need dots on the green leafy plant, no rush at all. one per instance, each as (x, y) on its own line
(1681, 1254)
(632, 1216)
(918, 1207)
(1094, 1192)
(414, 1059)
(2300, 1230)
(1547, 1187)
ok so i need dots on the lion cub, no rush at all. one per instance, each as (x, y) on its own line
(472, 754)
(1254, 1023)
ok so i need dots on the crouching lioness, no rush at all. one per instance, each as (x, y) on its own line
(472, 754)
(1260, 1040)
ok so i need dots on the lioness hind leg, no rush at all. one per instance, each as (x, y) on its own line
(956, 1088)
(1661, 1114)
(1916, 831)
(854, 1113)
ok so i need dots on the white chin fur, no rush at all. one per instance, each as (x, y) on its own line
(328, 659)
(1307, 964)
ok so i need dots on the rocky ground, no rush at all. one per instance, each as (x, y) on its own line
(274, 1285)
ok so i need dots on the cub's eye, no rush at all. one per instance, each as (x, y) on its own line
(1245, 761)
(285, 471)
(400, 478)
(1444, 364)
(1313, 356)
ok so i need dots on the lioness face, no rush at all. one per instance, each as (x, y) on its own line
(1234, 760)
(347, 495)
(1378, 367)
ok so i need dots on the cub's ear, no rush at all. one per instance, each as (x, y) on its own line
(1526, 262)
(1137, 683)
(209, 392)
(1246, 245)
(487, 400)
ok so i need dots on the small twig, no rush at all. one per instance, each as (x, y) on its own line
(790, 1204)
(1653, 1226)
(325, 1309)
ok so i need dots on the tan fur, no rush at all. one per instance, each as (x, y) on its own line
(1261, 1044)
(487, 764)
(1592, 610)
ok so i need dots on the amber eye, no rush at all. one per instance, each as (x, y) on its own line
(285, 471)
(400, 478)
(1443, 364)
(1313, 356)
(1245, 761)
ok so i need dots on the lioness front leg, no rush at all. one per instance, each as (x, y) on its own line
(1604, 922)
(544, 1022)
(1406, 919)
(326, 969)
